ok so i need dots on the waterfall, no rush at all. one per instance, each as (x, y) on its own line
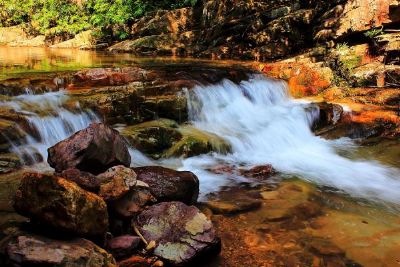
(49, 121)
(265, 126)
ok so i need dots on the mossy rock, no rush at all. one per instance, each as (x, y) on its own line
(196, 142)
(153, 137)
(165, 138)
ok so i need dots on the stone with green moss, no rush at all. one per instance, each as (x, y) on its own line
(165, 138)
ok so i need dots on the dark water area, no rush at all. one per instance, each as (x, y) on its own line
(315, 211)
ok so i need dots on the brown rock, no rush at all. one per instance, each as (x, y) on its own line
(325, 247)
(182, 233)
(117, 181)
(123, 246)
(170, 185)
(108, 76)
(94, 149)
(259, 172)
(329, 115)
(61, 204)
(222, 169)
(85, 180)
(32, 250)
(306, 210)
(133, 202)
(234, 206)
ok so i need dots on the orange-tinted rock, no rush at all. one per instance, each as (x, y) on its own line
(94, 149)
(117, 181)
(60, 204)
(363, 15)
(304, 79)
(135, 261)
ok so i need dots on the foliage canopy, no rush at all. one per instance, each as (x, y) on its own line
(109, 18)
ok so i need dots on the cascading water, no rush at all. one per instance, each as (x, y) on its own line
(49, 120)
(264, 125)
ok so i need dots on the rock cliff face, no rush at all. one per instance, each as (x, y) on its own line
(257, 29)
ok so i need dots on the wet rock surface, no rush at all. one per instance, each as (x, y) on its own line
(58, 203)
(259, 172)
(329, 115)
(135, 201)
(116, 182)
(234, 206)
(166, 138)
(94, 149)
(33, 250)
(182, 233)
(170, 185)
(86, 180)
(123, 246)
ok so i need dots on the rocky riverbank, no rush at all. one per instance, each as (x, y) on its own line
(138, 216)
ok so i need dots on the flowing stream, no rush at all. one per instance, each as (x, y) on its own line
(264, 125)
(49, 121)
(257, 117)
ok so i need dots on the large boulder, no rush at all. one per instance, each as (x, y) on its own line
(61, 204)
(94, 149)
(32, 250)
(182, 233)
(170, 185)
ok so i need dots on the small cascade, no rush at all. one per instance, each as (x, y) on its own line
(265, 126)
(49, 122)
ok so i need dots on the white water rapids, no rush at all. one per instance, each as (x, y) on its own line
(257, 117)
(50, 121)
(264, 125)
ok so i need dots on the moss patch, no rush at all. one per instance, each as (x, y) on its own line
(164, 138)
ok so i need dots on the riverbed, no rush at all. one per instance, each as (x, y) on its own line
(330, 202)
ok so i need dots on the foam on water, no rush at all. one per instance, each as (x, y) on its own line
(264, 125)
(49, 120)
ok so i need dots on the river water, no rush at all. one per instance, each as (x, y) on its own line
(358, 198)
